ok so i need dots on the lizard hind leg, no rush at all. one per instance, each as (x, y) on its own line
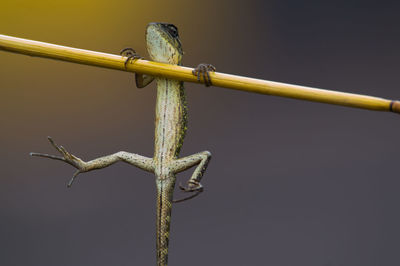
(200, 159)
(139, 161)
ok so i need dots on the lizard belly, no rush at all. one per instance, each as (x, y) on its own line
(170, 124)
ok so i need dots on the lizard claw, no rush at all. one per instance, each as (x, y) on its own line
(203, 70)
(73, 178)
(193, 186)
(131, 54)
(66, 157)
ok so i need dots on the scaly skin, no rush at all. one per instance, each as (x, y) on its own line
(164, 46)
(169, 131)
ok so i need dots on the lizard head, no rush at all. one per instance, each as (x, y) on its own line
(163, 43)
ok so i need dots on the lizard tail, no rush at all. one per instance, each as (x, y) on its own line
(165, 188)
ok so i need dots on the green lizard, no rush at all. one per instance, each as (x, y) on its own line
(164, 46)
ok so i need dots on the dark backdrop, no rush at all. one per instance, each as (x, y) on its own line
(290, 182)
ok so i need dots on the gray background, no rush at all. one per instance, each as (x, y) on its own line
(290, 182)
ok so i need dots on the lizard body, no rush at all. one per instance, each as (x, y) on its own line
(170, 127)
(164, 46)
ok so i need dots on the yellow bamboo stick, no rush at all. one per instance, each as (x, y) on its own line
(87, 57)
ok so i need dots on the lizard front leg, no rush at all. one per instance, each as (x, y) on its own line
(200, 159)
(141, 79)
(139, 161)
(203, 70)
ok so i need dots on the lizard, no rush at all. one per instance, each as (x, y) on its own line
(163, 45)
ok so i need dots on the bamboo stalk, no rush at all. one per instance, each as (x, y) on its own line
(87, 57)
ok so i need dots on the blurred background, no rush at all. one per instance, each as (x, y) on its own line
(290, 182)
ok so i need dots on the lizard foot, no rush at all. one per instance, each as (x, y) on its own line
(66, 157)
(130, 53)
(193, 186)
(203, 70)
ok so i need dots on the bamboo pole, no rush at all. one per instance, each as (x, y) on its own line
(87, 57)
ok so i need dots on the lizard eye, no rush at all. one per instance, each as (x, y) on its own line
(172, 30)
